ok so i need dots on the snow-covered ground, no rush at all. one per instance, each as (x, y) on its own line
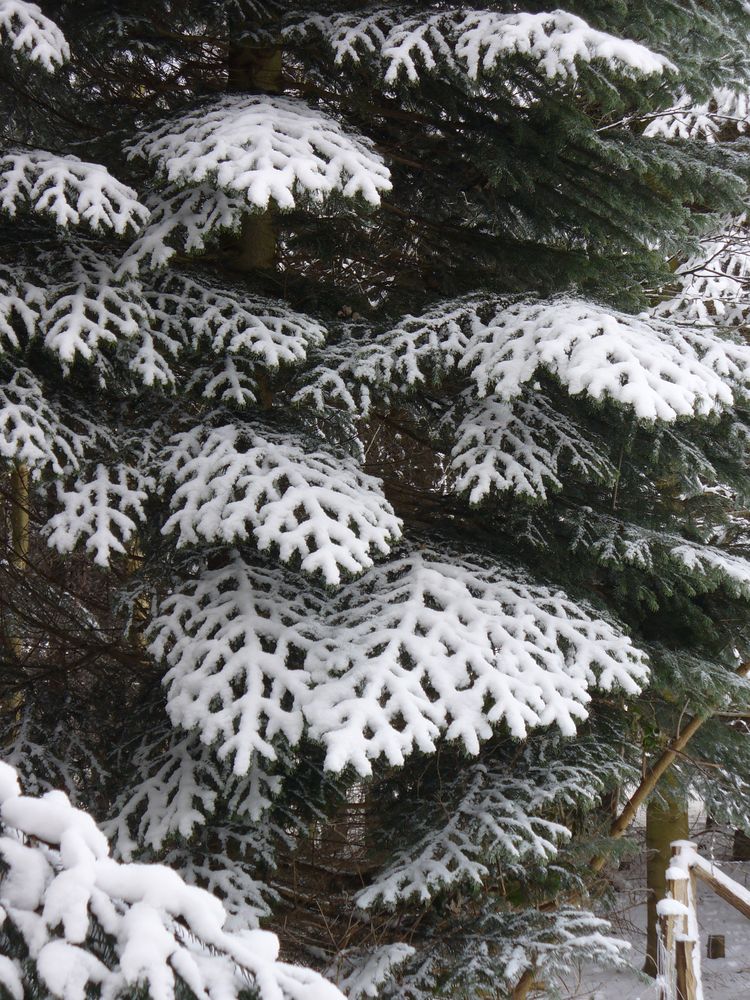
(723, 979)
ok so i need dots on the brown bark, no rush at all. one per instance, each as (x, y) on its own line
(19, 516)
(255, 68)
(254, 249)
(740, 846)
(142, 604)
(526, 984)
(20, 537)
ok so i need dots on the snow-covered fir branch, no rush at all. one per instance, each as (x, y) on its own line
(70, 191)
(424, 645)
(475, 43)
(268, 150)
(32, 34)
(88, 920)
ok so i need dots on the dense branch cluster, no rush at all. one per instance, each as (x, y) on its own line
(345, 579)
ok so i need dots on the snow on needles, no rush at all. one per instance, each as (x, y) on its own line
(690, 119)
(233, 321)
(184, 218)
(494, 813)
(712, 284)
(75, 302)
(33, 430)
(363, 971)
(269, 149)
(473, 43)
(68, 297)
(658, 369)
(315, 510)
(522, 447)
(428, 644)
(554, 41)
(312, 507)
(62, 892)
(654, 370)
(32, 34)
(104, 511)
(70, 191)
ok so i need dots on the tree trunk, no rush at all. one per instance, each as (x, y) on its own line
(19, 516)
(20, 536)
(255, 69)
(525, 985)
(18, 522)
(142, 604)
(741, 846)
(666, 820)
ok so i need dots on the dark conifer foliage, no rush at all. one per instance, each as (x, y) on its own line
(375, 430)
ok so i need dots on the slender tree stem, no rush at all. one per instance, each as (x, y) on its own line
(651, 778)
(20, 536)
(19, 516)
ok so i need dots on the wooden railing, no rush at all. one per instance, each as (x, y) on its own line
(679, 961)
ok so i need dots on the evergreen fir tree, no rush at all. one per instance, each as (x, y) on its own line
(364, 505)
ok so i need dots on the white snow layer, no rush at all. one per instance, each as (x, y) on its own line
(84, 304)
(184, 218)
(423, 646)
(59, 882)
(690, 119)
(658, 369)
(69, 190)
(33, 34)
(233, 321)
(689, 857)
(521, 446)
(314, 507)
(268, 149)
(476, 42)
(72, 300)
(497, 814)
(33, 432)
(362, 975)
(105, 511)
(713, 283)
(671, 908)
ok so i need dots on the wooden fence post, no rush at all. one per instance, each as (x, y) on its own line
(665, 951)
(679, 952)
(679, 927)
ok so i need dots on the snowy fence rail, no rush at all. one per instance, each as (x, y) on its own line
(679, 972)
